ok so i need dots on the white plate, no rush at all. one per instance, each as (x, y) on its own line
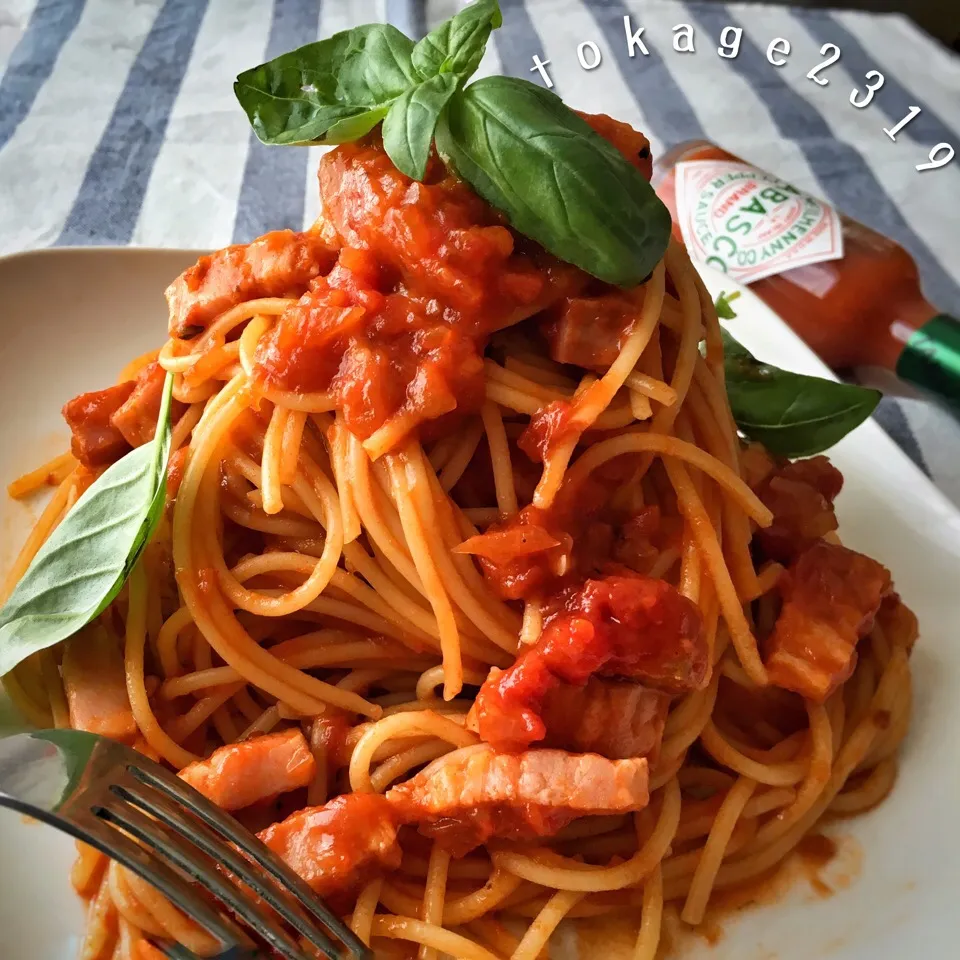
(73, 318)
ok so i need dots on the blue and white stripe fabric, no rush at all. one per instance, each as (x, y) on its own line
(118, 123)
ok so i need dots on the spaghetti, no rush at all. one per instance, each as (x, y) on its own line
(359, 544)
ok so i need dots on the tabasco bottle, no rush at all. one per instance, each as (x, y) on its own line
(853, 295)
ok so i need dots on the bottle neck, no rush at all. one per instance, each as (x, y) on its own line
(931, 358)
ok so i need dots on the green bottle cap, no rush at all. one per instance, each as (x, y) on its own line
(931, 358)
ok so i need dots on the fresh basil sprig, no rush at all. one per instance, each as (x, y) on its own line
(331, 91)
(409, 126)
(457, 45)
(526, 153)
(516, 144)
(791, 414)
(87, 558)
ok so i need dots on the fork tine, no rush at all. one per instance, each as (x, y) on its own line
(153, 774)
(175, 951)
(121, 848)
(198, 833)
(168, 843)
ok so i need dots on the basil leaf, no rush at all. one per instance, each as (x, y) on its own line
(377, 66)
(722, 305)
(330, 91)
(457, 45)
(87, 558)
(355, 127)
(409, 126)
(791, 414)
(557, 181)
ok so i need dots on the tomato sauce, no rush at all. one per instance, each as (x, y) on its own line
(631, 143)
(588, 531)
(622, 626)
(426, 272)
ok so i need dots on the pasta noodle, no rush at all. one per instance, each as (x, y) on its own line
(325, 577)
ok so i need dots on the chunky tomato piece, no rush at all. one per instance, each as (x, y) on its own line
(426, 273)
(620, 626)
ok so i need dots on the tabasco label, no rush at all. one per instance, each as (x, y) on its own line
(750, 224)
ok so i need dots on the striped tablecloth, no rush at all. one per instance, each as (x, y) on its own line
(118, 123)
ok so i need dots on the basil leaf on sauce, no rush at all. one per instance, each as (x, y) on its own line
(409, 126)
(458, 44)
(527, 154)
(87, 558)
(791, 414)
(331, 91)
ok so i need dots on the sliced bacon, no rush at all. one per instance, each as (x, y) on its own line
(831, 596)
(472, 794)
(588, 330)
(241, 774)
(800, 494)
(137, 417)
(96, 442)
(279, 264)
(106, 424)
(618, 719)
(338, 847)
(620, 626)
(175, 469)
(95, 684)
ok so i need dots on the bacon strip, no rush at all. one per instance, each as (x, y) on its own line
(800, 494)
(241, 774)
(96, 686)
(336, 848)
(618, 719)
(106, 424)
(96, 442)
(279, 264)
(831, 596)
(472, 794)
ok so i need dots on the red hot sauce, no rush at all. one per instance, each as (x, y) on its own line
(852, 294)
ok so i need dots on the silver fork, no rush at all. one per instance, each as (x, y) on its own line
(141, 815)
